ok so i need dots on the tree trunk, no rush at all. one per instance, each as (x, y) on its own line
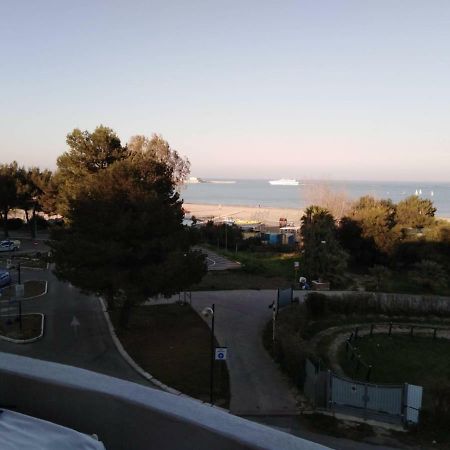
(125, 313)
(5, 222)
(27, 217)
(34, 227)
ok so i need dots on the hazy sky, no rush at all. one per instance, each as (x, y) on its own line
(245, 89)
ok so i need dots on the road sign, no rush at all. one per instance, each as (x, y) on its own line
(19, 290)
(221, 354)
(296, 264)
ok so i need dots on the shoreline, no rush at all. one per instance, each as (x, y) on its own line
(268, 215)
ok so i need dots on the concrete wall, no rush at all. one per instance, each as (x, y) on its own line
(396, 303)
(126, 415)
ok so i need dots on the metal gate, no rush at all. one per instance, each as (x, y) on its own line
(390, 403)
(375, 398)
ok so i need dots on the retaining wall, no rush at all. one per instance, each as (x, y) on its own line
(126, 415)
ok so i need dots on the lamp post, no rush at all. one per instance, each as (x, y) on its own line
(209, 312)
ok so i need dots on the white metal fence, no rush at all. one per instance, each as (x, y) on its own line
(390, 403)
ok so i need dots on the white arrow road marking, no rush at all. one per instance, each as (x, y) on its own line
(75, 324)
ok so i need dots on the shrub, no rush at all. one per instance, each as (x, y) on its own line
(316, 304)
(429, 275)
(41, 223)
(289, 349)
(15, 223)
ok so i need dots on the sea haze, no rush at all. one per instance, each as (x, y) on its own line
(260, 192)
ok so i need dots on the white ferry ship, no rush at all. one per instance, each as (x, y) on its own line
(284, 182)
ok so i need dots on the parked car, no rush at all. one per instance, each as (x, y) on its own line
(9, 245)
(5, 278)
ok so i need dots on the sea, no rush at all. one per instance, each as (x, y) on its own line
(262, 193)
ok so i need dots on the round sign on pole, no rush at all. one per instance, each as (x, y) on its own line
(221, 354)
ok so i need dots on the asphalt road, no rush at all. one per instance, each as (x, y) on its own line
(257, 386)
(88, 345)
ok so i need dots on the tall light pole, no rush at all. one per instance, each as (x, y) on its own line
(210, 312)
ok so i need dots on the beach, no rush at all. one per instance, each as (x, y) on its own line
(270, 216)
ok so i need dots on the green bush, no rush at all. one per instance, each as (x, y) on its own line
(41, 223)
(289, 349)
(430, 275)
(15, 223)
(316, 304)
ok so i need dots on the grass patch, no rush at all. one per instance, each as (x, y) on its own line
(415, 360)
(32, 288)
(263, 262)
(173, 344)
(27, 261)
(401, 359)
(31, 326)
(237, 279)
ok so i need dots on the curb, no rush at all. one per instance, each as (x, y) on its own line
(39, 295)
(25, 341)
(33, 296)
(139, 369)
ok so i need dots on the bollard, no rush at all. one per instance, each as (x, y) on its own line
(356, 333)
(371, 329)
(412, 331)
(434, 333)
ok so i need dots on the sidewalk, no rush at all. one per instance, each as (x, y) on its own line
(256, 383)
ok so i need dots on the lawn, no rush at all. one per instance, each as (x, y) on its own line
(260, 270)
(267, 263)
(237, 279)
(414, 360)
(31, 326)
(32, 288)
(401, 359)
(172, 343)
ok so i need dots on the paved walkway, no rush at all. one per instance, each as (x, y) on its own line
(218, 262)
(257, 385)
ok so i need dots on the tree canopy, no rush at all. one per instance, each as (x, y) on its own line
(124, 238)
(377, 219)
(158, 149)
(8, 191)
(323, 256)
(88, 154)
(415, 212)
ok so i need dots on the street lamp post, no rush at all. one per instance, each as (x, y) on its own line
(210, 312)
(211, 378)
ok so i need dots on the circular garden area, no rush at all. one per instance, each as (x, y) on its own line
(319, 328)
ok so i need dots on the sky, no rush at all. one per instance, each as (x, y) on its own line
(243, 88)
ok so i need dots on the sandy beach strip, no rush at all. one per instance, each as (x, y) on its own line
(268, 216)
